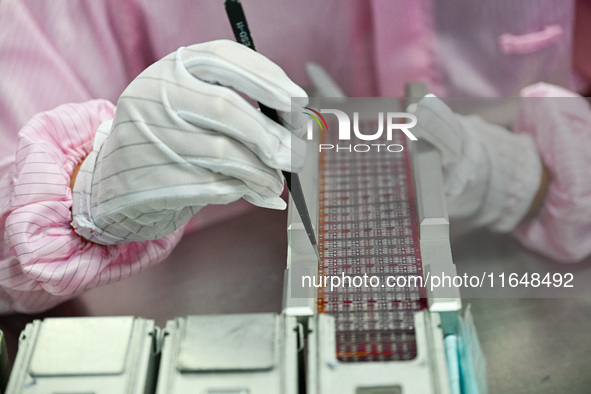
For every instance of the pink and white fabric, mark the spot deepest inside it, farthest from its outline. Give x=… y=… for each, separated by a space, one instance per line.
x=64 y=52
x=560 y=123
x=44 y=262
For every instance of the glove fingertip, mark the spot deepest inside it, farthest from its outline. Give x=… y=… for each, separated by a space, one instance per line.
x=274 y=202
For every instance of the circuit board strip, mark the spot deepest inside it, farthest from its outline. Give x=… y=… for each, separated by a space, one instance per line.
x=368 y=227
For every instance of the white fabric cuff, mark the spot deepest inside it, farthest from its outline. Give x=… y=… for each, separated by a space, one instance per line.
x=515 y=176
x=82 y=221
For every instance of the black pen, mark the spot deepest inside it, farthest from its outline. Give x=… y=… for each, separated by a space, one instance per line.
x=243 y=36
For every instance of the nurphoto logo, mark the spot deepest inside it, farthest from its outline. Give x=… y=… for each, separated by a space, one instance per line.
x=387 y=124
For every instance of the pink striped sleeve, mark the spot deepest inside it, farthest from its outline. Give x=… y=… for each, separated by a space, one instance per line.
x=43 y=262
x=560 y=123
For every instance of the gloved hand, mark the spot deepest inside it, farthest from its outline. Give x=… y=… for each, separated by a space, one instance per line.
x=491 y=175
x=182 y=138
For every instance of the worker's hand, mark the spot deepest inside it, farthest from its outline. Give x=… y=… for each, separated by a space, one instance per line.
x=184 y=137
x=491 y=175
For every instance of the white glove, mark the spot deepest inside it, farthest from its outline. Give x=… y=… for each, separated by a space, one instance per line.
x=491 y=175
x=182 y=138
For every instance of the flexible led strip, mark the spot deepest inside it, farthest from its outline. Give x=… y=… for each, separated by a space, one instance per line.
x=368 y=225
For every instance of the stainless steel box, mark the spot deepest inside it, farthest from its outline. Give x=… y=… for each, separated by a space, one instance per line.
x=86 y=355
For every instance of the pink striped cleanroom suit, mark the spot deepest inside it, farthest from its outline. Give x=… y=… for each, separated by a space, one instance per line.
x=64 y=63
